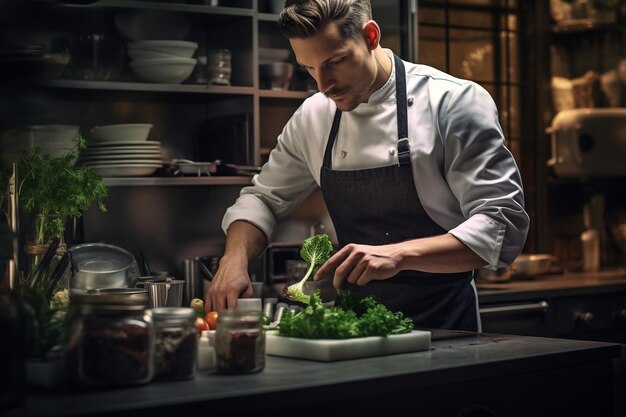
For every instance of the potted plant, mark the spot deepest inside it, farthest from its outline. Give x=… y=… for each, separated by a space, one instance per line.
x=52 y=189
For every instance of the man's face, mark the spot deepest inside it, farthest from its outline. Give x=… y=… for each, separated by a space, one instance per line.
x=344 y=69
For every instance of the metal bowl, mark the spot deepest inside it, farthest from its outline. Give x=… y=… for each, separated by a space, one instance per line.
x=101 y=265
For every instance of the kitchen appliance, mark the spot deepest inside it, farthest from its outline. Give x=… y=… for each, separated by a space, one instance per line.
x=589 y=146
x=589 y=143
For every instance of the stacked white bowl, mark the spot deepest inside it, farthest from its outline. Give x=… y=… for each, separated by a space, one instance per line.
x=53 y=140
x=122 y=150
x=162 y=61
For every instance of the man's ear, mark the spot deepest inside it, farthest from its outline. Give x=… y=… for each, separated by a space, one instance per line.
x=371 y=33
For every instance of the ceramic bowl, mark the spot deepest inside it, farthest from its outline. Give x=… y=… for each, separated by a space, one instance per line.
x=135 y=132
x=181 y=49
x=164 y=70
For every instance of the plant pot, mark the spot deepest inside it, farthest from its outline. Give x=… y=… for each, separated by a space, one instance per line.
x=45 y=373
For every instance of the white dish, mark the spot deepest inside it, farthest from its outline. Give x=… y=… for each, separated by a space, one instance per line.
x=141 y=54
x=327 y=350
x=183 y=49
x=130 y=132
x=156 y=162
x=146 y=144
x=164 y=70
x=124 y=151
x=125 y=170
x=120 y=159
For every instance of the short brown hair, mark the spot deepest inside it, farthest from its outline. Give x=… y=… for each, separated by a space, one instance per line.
x=306 y=18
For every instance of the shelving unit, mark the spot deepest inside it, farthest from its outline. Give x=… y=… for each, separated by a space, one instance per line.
x=171 y=218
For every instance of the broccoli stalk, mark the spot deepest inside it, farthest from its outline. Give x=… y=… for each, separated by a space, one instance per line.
x=315 y=251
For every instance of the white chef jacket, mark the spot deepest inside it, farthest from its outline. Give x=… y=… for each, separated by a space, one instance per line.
x=466 y=179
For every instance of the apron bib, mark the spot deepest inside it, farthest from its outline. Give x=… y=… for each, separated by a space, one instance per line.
x=380 y=206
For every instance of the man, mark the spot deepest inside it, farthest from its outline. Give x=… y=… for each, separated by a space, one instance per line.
x=412 y=166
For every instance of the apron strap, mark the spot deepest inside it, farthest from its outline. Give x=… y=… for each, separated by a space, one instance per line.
x=328 y=162
x=404 y=149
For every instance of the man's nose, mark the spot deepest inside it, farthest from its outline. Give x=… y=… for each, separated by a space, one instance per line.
x=324 y=81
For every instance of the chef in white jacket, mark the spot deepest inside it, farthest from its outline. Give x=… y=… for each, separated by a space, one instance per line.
x=412 y=166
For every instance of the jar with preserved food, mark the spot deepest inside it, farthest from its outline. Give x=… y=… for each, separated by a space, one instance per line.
x=176 y=342
x=111 y=337
x=239 y=341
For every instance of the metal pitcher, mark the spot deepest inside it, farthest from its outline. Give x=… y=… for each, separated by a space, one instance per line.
x=164 y=292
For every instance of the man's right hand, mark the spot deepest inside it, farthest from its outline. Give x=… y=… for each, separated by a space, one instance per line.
x=230 y=283
x=244 y=241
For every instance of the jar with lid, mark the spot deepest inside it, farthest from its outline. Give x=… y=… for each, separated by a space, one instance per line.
x=111 y=337
x=239 y=342
x=175 y=343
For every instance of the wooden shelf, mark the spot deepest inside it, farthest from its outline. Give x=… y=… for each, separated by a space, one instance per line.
x=285 y=94
x=154 y=5
x=138 y=86
x=174 y=181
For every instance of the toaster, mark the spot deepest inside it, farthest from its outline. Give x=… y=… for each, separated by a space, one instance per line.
x=589 y=143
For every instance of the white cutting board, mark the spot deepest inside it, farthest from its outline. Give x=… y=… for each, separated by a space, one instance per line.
x=327 y=350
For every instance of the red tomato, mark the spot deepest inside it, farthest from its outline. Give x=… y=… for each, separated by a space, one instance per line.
x=211 y=318
x=201 y=325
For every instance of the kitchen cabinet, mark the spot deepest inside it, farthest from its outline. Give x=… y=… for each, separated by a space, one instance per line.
x=580 y=306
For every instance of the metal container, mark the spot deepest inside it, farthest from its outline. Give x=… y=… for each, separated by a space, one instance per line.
x=100 y=265
x=176 y=343
x=111 y=337
x=165 y=292
x=528 y=265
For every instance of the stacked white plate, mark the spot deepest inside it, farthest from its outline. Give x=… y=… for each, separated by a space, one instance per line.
x=123 y=158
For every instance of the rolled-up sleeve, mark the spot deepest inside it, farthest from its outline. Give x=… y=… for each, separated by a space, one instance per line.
x=484 y=177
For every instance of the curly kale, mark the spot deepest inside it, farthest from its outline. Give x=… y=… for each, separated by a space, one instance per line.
x=353 y=316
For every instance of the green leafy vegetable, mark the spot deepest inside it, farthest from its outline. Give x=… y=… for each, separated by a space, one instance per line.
x=353 y=316
x=315 y=250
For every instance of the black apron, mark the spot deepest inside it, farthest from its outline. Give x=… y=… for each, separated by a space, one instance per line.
x=380 y=206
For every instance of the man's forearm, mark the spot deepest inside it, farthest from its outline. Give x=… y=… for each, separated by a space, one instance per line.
x=439 y=254
x=244 y=241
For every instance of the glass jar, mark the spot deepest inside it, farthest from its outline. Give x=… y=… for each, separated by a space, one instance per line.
x=175 y=342
x=219 y=66
x=239 y=342
x=111 y=337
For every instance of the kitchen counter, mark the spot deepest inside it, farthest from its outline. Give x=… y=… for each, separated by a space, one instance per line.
x=510 y=375
x=577 y=283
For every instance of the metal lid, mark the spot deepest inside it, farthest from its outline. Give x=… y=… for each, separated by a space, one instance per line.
x=163 y=313
x=173 y=315
x=112 y=298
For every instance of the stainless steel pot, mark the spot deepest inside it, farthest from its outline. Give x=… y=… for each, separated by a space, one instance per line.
x=101 y=265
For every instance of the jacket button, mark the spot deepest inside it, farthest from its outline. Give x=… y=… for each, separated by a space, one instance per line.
x=343 y=154
x=410 y=101
x=392 y=151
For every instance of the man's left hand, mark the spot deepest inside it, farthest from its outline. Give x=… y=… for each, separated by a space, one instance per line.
x=360 y=264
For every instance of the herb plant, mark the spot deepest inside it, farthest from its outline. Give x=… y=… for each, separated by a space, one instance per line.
x=315 y=251
x=353 y=316
x=52 y=188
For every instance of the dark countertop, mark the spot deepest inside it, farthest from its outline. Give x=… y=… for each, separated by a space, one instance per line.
x=577 y=283
x=459 y=360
